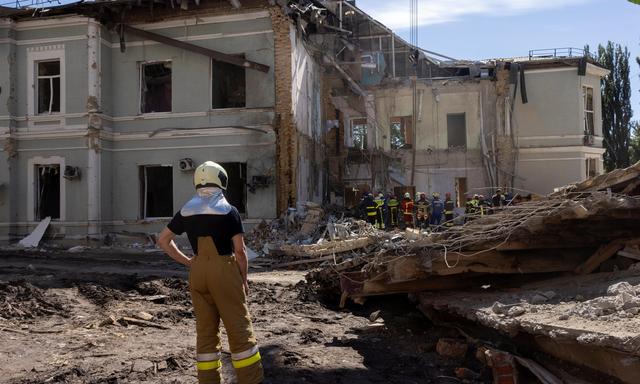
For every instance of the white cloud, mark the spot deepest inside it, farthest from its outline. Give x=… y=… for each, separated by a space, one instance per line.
x=395 y=14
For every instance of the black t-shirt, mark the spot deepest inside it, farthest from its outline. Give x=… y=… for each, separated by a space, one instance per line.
x=221 y=228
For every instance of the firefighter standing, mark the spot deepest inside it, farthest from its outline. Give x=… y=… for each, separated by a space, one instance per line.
x=437 y=208
x=407 y=210
x=472 y=208
x=393 y=204
x=380 y=207
x=422 y=211
x=370 y=208
x=217 y=277
x=449 y=206
x=498 y=200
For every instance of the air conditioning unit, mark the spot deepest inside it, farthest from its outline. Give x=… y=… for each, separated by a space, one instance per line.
x=589 y=139
x=186 y=164
x=71 y=173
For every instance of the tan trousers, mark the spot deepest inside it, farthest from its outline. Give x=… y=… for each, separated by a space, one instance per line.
x=217 y=293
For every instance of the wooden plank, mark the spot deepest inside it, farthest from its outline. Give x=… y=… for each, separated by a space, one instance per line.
x=373 y=288
x=535 y=261
x=601 y=255
x=215 y=55
x=327 y=248
x=299 y=262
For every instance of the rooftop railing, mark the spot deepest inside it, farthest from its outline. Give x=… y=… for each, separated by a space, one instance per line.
x=558 y=53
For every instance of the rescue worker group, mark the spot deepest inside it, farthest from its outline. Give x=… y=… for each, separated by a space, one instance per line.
x=385 y=211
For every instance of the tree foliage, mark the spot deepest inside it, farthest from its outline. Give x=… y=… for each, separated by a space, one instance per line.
x=616 y=105
x=634 y=146
x=635 y=133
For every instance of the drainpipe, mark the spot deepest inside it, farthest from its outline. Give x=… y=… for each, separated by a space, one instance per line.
x=93 y=130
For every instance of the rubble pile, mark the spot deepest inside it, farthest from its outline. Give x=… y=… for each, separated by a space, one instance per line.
x=311 y=236
x=574 y=230
x=22 y=300
x=622 y=301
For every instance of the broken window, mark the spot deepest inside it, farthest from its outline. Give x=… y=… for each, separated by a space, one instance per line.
x=156 y=187
x=155 y=87
x=227 y=85
x=401 y=135
x=236 y=192
x=456 y=130
x=359 y=130
x=592 y=169
x=47 y=191
x=587 y=94
x=48 y=92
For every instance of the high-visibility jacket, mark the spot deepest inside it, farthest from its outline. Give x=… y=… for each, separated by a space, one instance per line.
x=407 y=207
x=449 y=206
x=393 y=210
x=422 y=208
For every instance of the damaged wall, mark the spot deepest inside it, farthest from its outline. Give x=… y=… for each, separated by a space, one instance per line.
x=108 y=137
x=437 y=165
x=550 y=128
x=306 y=106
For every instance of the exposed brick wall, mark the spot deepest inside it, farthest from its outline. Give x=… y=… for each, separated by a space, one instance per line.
x=286 y=135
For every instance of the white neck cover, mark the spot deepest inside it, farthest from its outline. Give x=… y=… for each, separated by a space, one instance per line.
x=207 y=201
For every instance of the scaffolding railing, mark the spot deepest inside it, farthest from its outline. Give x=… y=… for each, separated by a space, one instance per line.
x=558 y=53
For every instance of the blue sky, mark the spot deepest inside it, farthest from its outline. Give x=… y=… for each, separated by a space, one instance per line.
x=480 y=29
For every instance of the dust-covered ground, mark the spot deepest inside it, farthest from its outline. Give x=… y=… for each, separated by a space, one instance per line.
x=115 y=318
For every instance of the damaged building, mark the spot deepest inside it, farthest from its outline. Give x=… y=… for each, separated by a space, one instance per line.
x=106 y=108
x=409 y=117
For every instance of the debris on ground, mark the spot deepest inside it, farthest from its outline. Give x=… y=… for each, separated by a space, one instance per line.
x=33 y=239
x=20 y=299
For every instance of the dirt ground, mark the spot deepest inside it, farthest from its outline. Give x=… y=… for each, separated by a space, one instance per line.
x=97 y=317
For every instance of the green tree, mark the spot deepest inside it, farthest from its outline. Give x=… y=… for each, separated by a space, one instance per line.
x=634 y=145
x=634 y=148
x=616 y=105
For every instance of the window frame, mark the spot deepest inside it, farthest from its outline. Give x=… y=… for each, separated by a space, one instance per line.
x=408 y=136
x=36 y=55
x=142 y=169
x=464 y=115
x=211 y=74
x=51 y=92
x=365 y=144
x=141 y=65
x=588 y=161
x=32 y=165
x=588 y=112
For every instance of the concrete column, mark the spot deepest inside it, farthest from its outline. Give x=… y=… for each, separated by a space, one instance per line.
x=94 y=157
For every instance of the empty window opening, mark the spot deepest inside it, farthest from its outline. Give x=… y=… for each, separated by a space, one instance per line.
x=461 y=191
x=359 y=130
x=401 y=135
x=228 y=85
x=587 y=94
x=456 y=130
x=592 y=168
x=156 y=187
x=47 y=191
x=236 y=192
x=155 y=86
x=48 y=91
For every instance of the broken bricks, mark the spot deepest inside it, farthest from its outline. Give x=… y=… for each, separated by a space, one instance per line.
x=452 y=348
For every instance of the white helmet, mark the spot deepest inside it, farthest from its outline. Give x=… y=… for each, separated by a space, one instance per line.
x=407 y=195
x=210 y=174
